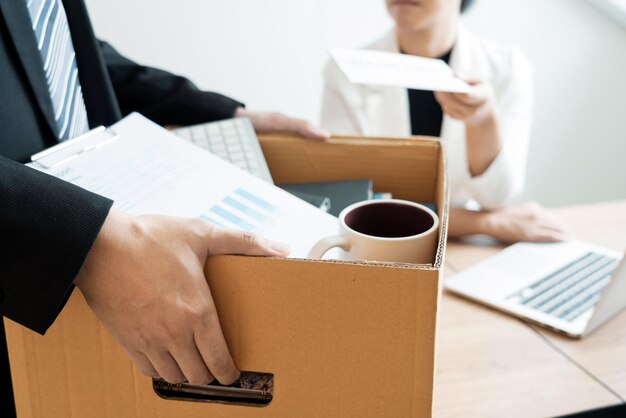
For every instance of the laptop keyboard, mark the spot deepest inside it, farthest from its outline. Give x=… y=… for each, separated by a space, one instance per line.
x=570 y=291
x=233 y=140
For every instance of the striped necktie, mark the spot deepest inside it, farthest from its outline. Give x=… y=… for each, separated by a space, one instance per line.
x=59 y=63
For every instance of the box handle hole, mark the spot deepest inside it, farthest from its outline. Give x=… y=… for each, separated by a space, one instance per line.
x=252 y=389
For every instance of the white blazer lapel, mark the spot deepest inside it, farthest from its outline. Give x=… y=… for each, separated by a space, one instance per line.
x=462 y=62
x=468 y=56
x=388 y=112
x=467 y=59
x=387 y=108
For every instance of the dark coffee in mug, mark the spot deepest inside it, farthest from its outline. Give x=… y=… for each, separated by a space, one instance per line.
x=389 y=220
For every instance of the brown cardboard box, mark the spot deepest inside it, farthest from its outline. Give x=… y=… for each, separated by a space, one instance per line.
x=343 y=339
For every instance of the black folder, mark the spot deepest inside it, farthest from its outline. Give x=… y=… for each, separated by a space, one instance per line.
x=341 y=193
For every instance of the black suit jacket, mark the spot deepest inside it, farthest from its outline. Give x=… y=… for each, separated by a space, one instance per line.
x=47 y=227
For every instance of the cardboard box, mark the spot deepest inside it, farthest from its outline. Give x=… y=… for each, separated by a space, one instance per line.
x=343 y=339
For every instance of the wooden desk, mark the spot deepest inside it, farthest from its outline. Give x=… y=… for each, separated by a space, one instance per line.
x=491 y=364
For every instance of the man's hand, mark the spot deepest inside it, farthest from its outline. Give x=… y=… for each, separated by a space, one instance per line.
x=273 y=121
x=144 y=280
x=474 y=108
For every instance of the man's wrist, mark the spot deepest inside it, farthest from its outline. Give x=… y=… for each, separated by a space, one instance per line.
x=115 y=225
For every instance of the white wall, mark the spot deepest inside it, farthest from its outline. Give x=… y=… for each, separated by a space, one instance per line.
x=579 y=134
x=269 y=54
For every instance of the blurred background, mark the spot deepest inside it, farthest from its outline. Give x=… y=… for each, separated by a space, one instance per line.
x=270 y=54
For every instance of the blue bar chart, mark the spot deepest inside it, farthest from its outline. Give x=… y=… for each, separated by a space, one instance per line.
x=241 y=209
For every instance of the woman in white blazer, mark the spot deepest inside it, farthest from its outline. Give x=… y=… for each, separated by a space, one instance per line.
x=485 y=133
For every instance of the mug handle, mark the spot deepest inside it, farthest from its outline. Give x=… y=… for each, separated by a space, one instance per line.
x=326 y=244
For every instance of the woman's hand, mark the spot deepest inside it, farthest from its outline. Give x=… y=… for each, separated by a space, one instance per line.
x=527 y=222
x=478 y=110
x=474 y=108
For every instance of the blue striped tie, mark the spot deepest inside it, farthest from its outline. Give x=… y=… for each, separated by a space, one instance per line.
x=59 y=63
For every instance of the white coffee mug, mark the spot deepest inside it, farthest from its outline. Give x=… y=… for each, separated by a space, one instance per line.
x=384 y=230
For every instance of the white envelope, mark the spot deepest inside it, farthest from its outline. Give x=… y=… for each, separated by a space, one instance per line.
x=382 y=68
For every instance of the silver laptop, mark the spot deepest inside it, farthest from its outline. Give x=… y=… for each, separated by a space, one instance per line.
x=570 y=287
x=233 y=140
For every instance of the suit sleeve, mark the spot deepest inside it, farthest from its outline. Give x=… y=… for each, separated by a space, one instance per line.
x=165 y=98
x=47 y=228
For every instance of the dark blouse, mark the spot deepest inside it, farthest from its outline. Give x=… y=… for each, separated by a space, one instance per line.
x=426 y=114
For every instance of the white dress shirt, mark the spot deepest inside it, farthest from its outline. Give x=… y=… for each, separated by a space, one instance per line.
x=357 y=109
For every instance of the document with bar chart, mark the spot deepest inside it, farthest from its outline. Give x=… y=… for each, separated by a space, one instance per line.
x=146 y=169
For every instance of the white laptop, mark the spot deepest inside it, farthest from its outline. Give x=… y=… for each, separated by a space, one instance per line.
x=233 y=140
x=570 y=287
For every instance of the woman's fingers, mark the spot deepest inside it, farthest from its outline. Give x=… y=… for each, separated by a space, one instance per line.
x=545 y=235
x=458 y=112
x=453 y=106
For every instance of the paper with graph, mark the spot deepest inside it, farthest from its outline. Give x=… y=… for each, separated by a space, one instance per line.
x=146 y=169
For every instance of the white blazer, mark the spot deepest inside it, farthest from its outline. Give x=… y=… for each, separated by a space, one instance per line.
x=358 y=109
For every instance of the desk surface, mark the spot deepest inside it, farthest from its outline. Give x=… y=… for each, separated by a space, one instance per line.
x=489 y=363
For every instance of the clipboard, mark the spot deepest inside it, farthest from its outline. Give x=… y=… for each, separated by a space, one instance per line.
x=68 y=150
x=146 y=169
